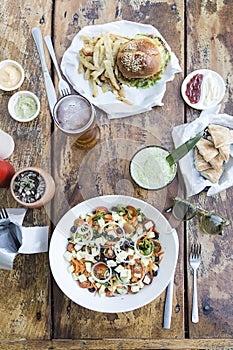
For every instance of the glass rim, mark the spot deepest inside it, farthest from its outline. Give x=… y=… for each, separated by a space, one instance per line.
x=75 y=131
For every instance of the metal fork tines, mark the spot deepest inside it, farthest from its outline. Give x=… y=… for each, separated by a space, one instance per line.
x=63 y=86
x=195 y=260
x=3 y=213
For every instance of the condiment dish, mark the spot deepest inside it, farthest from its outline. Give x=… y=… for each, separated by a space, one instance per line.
x=11 y=75
x=211 y=89
x=24 y=106
x=32 y=187
x=150 y=170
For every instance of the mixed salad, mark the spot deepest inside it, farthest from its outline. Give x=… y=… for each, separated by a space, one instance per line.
x=113 y=251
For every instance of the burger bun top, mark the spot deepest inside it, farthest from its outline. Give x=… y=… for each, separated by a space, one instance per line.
x=139 y=58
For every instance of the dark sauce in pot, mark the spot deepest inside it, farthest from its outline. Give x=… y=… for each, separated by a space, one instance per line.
x=193 y=89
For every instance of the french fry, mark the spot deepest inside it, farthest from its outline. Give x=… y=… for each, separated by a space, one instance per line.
x=93 y=87
x=86 y=63
x=111 y=75
x=97 y=61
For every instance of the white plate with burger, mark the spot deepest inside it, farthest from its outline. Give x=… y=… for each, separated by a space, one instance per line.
x=162 y=64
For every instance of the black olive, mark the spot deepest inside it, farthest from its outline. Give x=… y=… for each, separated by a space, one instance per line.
x=155 y=273
x=156 y=235
x=111 y=237
x=73 y=229
x=119 y=230
x=91 y=290
x=157 y=258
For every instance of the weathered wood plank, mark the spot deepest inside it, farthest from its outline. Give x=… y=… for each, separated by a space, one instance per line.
x=126 y=344
x=104 y=170
x=24 y=293
x=209 y=44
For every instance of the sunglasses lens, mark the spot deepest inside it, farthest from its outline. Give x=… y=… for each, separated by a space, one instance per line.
x=212 y=224
x=183 y=211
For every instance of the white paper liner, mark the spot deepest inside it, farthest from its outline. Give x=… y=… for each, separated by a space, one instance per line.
x=143 y=99
x=193 y=181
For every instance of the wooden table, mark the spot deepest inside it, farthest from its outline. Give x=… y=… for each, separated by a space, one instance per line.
x=34 y=313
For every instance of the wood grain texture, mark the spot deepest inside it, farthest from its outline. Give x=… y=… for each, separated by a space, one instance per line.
x=209 y=45
x=33 y=310
x=117 y=344
x=104 y=169
x=24 y=292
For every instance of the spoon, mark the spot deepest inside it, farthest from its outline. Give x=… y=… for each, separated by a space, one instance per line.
x=183 y=149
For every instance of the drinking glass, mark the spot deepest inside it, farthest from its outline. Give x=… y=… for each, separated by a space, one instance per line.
x=76 y=116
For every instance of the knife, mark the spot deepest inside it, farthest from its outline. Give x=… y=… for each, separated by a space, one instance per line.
x=50 y=90
x=169 y=292
x=168 y=305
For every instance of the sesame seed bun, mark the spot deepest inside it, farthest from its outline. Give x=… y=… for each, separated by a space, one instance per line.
x=139 y=58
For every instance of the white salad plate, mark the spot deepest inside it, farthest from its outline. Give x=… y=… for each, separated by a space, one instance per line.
x=168 y=239
x=212 y=89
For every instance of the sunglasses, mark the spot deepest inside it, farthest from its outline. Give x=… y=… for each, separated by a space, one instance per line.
x=209 y=222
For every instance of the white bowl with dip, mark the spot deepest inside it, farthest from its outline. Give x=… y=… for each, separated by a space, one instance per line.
x=11 y=75
x=150 y=170
x=209 y=91
x=24 y=106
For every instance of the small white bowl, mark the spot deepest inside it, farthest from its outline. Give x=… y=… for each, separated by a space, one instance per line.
x=14 y=100
x=11 y=67
x=210 y=96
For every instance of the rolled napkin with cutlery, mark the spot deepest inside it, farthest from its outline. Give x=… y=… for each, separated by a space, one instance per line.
x=16 y=239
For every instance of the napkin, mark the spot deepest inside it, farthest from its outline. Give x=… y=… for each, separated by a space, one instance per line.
x=143 y=99
x=15 y=238
x=193 y=181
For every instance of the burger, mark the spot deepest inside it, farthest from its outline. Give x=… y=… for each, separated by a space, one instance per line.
x=142 y=60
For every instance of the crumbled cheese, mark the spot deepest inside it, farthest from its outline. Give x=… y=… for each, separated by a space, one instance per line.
x=102 y=291
x=140 y=230
x=155 y=267
x=147 y=280
x=82 y=278
x=91 y=279
x=111 y=263
x=135 y=288
x=148 y=225
x=75 y=276
x=122 y=255
x=101 y=222
x=115 y=216
x=130 y=251
x=77 y=247
x=88 y=266
x=68 y=256
x=94 y=251
x=70 y=268
x=137 y=275
x=151 y=235
x=126 y=273
x=119 y=269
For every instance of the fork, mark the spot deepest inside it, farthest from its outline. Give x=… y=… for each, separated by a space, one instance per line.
x=3 y=213
x=63 y=86
x=195 y=260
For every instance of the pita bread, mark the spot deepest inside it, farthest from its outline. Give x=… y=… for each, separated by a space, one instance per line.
x=212 y=174
x=199 y=161
x=206 y=149
x=220 y=135
x=217 y=162
x=225 y=152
